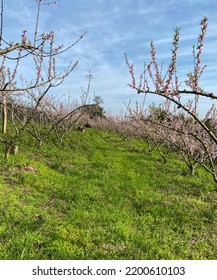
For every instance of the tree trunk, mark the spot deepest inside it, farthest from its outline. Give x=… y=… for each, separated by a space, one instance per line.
x=4 y=113
x=7 y=151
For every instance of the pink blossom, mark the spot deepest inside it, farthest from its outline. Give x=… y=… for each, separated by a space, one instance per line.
x=24 y=38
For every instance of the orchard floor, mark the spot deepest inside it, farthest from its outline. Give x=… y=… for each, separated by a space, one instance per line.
x=97 y=197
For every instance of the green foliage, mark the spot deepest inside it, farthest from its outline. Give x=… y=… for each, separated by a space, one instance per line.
x=97 y=110
x=96 y=197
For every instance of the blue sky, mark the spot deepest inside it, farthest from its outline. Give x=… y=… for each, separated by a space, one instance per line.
x=114 y=27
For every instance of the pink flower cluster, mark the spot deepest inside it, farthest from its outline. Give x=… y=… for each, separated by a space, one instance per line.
x=48 y=36
x=24 y=38
x=131 y=70
x=172 y=67
x=194 y=78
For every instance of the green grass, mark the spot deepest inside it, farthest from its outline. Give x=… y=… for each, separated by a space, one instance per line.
x=97 y=197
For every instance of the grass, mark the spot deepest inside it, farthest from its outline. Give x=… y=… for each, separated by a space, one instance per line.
x=98 y=197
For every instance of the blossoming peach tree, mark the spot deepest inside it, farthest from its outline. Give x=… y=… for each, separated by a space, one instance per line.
x=194 y=137
x=39 y=52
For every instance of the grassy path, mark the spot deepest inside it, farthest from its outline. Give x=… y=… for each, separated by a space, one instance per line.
x=100 y=198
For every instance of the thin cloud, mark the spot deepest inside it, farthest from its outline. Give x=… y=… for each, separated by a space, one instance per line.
x=114 y=27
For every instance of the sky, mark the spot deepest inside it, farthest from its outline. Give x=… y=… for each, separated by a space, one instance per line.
x=112 y=28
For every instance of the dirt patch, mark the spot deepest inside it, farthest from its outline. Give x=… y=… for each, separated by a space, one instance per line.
x=30 y=169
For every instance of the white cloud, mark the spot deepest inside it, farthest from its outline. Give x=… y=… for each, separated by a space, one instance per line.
x=114 y=27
